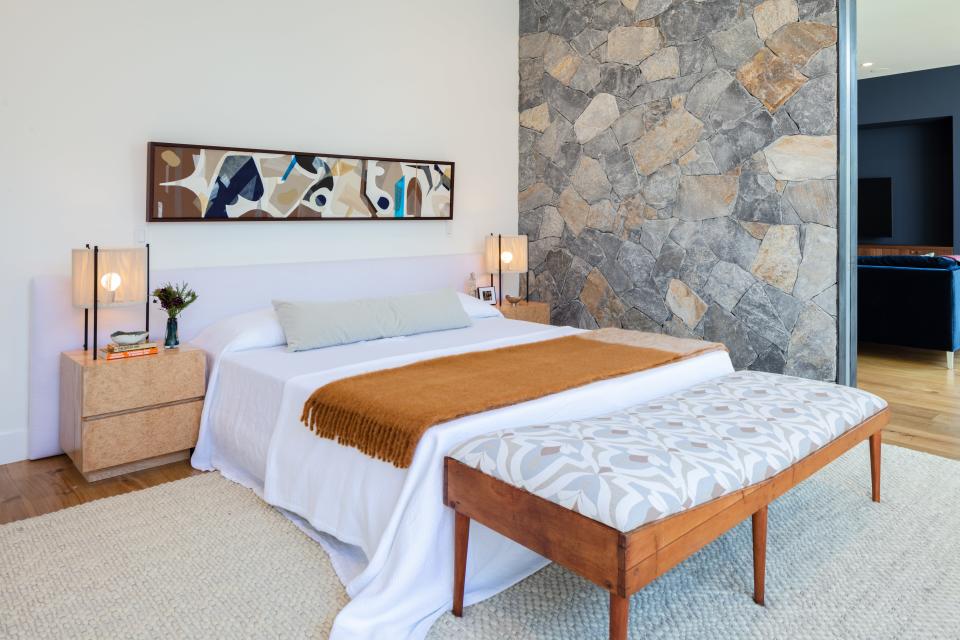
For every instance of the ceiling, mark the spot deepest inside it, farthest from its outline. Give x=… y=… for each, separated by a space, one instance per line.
x=899 y=36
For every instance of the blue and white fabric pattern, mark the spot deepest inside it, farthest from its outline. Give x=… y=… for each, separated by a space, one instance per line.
x=653 y=460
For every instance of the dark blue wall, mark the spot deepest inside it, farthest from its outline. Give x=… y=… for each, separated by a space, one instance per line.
x=918 y=157
x=908 y=97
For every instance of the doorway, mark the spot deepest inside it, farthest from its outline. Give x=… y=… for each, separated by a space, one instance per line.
x=899 y=216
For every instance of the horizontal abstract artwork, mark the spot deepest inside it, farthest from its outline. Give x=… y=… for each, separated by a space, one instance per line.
x=188 y=182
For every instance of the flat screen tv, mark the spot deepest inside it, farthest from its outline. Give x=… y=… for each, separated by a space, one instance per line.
x=875 y=208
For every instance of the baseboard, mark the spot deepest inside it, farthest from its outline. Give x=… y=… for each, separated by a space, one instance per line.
x=13 y=446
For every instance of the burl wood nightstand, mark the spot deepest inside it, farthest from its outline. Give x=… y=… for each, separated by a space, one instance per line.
x=529 y=311
x=118 y=416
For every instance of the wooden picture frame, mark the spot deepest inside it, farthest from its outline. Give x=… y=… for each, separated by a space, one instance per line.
x=206 y=183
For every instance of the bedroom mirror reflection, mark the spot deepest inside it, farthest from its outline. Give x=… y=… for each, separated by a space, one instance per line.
x=908 y=218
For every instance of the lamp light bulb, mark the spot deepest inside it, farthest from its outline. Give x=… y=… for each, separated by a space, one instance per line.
x=110 y=281
x=507 y=257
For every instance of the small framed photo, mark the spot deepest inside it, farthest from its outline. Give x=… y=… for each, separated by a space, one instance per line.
x=487 y=294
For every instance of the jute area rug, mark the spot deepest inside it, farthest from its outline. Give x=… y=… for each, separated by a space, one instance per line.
x=204 y=558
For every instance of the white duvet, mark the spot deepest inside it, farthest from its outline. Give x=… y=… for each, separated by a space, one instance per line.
x=251 y=432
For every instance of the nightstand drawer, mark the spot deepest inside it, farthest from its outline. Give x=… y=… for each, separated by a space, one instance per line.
x=127 y=437
x=121 y=385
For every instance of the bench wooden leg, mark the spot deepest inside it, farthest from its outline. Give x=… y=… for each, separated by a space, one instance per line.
x=619 y=615
x=759 y=554
x=875 y=440
x=461 y=535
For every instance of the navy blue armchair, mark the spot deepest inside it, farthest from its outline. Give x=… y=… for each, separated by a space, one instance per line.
x=911 y=301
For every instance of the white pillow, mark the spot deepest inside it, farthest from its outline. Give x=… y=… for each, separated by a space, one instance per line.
x=252 y=330
x=477 y=308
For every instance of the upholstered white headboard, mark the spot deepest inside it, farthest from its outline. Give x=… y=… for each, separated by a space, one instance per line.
x=56 y=326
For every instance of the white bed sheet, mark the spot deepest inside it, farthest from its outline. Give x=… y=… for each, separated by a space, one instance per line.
x=252 y=433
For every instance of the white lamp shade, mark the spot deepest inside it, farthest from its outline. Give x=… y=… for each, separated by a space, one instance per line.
x=121 y=277
x=506 y=253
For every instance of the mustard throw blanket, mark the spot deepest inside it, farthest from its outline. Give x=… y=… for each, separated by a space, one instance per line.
x=384 y=413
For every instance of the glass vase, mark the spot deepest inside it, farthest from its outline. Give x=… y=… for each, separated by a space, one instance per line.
x=172 y=341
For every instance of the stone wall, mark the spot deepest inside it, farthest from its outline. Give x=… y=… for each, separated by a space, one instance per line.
x=678 y=171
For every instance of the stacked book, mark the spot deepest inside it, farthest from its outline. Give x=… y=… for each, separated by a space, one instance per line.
x=114 y=351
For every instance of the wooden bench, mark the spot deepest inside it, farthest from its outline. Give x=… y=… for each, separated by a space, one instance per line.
x=623 y=562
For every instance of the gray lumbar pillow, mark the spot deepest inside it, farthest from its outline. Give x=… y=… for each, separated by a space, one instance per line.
x=313 y=325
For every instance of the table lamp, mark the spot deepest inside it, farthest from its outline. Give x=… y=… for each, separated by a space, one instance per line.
x=506 y=254
x=110 y=278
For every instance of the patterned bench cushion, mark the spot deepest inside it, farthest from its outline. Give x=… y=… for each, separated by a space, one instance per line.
x=656 y=459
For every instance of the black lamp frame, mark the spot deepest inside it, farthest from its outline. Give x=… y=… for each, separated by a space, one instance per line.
x=96 y=299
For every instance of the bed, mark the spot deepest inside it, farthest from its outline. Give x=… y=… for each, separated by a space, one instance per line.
x=383 y=525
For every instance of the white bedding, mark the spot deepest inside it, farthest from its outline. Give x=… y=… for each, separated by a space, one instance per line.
x=252 y=433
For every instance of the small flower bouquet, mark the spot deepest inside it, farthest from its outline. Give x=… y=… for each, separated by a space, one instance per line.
x=173 y=298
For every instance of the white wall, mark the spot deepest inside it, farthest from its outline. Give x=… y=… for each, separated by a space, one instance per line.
x=84 y=86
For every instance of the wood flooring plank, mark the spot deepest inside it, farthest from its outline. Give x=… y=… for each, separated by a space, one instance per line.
x=35 y=487
x=43 y=484
x=922 y=444
x=12 y=505
x=924 y=397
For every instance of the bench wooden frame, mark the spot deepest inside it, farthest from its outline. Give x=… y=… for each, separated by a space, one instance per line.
x=624 y=563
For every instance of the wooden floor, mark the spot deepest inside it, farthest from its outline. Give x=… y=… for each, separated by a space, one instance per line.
x=924 y=396
x=34 y=487
x=924 y=400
